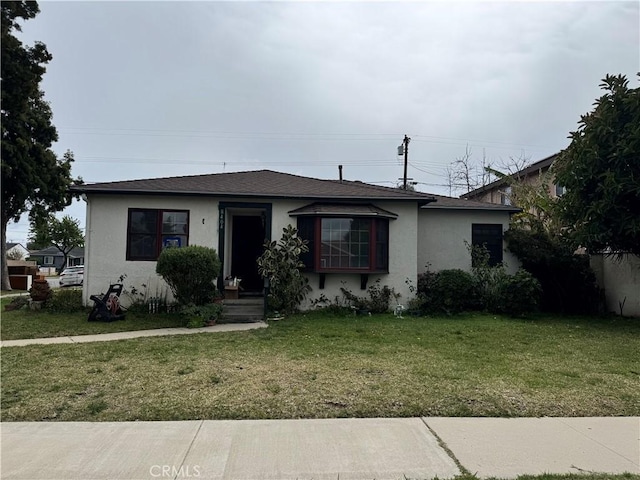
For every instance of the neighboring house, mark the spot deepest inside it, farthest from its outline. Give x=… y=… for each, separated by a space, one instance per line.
x=499 y=191
x=16 y=251
x=620 y=279
x=52 y=257
x=357 y=232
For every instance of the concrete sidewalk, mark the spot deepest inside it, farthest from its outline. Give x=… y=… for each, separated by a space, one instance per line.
x=107 y=337
x=392 y=448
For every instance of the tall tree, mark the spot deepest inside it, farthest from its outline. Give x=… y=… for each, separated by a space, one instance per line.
x=601 y=172
x=32 y=177
x=64 y=234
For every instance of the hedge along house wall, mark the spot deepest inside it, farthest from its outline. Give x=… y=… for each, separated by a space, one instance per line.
x=620 y=281
x=442 y=233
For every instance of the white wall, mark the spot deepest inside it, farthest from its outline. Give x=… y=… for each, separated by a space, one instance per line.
x=416 y=238
x=105 y=250
x=106 y=239
x=442 y=234
x=620 y=281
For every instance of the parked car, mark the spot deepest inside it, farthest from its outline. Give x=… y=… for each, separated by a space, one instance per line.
x=72 y=276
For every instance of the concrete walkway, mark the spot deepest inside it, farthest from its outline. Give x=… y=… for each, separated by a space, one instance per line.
x=392 y=448
x=158 y=332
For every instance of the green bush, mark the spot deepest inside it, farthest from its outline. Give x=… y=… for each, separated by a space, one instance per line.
x=378 y=301
x=452 y=291
x=198 y=315
x=567 y=281
x=65 y=301
x=190 y=273
x=280 y=264
x=449 y=291
x=521 y=294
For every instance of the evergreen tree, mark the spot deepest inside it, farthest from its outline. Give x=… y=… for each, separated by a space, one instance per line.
x=601 y=172
x=33 y=179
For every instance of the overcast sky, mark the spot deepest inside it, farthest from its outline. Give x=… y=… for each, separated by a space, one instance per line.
x=154 y=89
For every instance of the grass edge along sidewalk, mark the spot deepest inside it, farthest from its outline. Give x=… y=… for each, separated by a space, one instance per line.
x=318 y=366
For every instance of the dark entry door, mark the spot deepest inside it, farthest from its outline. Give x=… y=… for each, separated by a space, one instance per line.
x=248 y=239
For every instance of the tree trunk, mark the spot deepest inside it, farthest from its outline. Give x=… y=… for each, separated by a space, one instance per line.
x=6 y=285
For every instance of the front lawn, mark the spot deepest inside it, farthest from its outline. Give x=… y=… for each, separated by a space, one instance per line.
x=315 y=366
x=26 y=323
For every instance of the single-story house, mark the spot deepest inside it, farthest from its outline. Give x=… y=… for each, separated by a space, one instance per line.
x=357 y=232
x=52 y=257
x=15 y=251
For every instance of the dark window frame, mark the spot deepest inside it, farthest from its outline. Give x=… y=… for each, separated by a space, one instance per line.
x=490 y=235
x=378 y=251
x=158 y=234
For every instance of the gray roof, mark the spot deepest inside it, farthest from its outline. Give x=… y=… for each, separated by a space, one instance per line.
x=464 y=204
x=259 y=183
x=270 y=184
x=54 y=252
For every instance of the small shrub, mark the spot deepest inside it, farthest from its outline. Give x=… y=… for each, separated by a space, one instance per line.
x=438 y=292
x=380 y=297
x=190 y=273
x=521 y=295
x=198 y=315
x=378 y=301
x=280 y=264
x=417 y=305
x=490 y=282
x=452 y=291
x=65 y=301
x=40 y=291
x=425 y=282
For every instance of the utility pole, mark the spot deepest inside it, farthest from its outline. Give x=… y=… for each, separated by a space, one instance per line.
x=405 y=148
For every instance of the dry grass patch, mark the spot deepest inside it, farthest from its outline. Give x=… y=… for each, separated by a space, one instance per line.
x=316 y=366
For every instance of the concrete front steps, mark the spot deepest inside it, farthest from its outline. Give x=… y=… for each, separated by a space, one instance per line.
x=242 y=310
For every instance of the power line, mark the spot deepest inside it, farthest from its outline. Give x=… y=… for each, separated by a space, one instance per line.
x=326 y=136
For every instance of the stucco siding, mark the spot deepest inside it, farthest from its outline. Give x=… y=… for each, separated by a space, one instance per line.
x=106 y=239
x=106 y=242
x=620 y=280
x=442 y=235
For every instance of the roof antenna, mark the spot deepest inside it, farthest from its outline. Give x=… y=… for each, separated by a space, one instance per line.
x=224 y=166
x=340 y=172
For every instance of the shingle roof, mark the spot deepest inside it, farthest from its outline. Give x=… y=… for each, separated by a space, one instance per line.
x=270 y=184
x=259 y=183
x=464 y=204
x=54 y=252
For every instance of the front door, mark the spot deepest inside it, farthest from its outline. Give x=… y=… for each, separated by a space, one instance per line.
x=248 y=235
